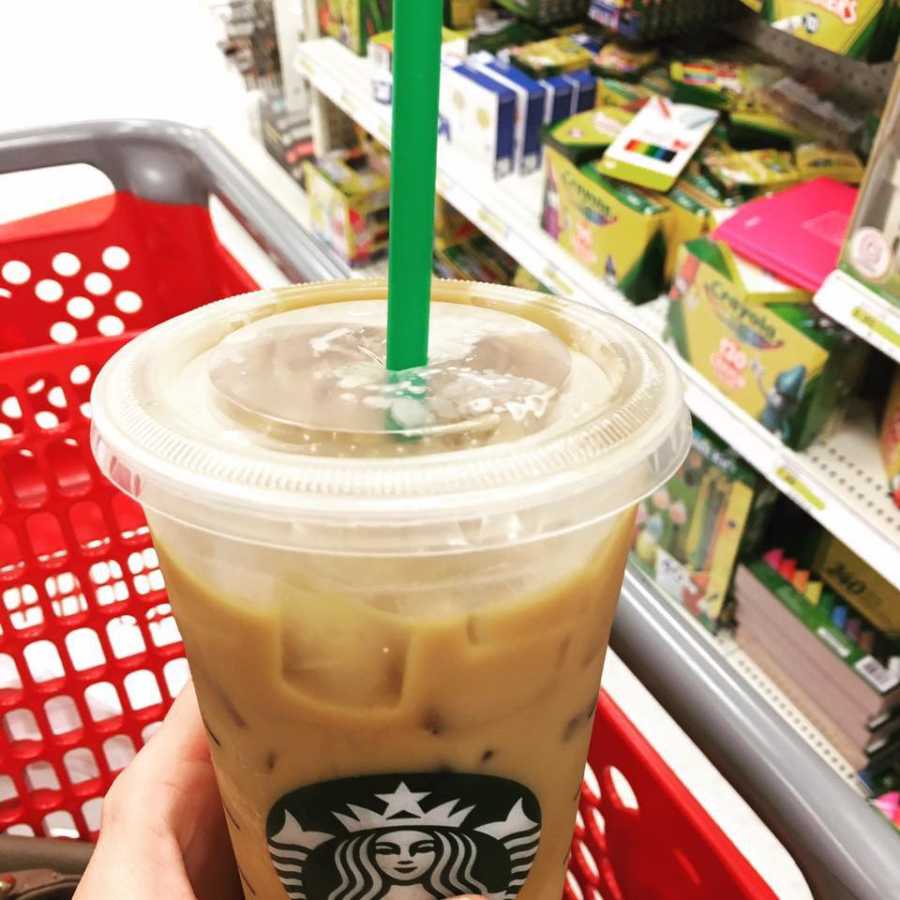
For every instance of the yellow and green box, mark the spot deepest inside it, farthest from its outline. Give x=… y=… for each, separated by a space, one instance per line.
x=769 y=353
x=890 y=439
x=584 y=137
x=691 y=532
x=613 y=228
x=856 y=582
x=353 y=22
x=348 y=204
x=554 y=56
x=461 y=13
x=693 y=204
x=861 y=29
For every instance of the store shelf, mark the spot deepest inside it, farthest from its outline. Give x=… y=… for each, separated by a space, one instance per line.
x=845 y=492
x=862 y=311
x=257 y=161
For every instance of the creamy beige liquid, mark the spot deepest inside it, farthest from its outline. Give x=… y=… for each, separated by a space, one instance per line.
x=301 y=684
x=317 y=666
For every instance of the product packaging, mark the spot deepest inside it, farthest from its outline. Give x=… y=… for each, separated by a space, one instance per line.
x=871 y=254
x=623 y=62
x=695 y=205
x=454 y=48
x=353 y=22
x=478 y=118
x=554 y=56
x=348 y=204
x=751 y=171
x=657 y=144
x=860 y=29
x=585 y=137
x=719 y=83
x=286 y=135
x=783 y=363
x=476 y=258
x=815 y=159
x=890 y=439
x=494 y=32
x=547 y=12
x=691 y=532
x=613 y=228
x=811 y=219
x=835 y=667
x=613 y=92
x=858 y=584
x=462 y=13
x=643 y=20
x=531 y=105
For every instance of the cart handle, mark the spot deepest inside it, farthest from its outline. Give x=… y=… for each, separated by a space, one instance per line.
x=845 y=850
x=169 y=162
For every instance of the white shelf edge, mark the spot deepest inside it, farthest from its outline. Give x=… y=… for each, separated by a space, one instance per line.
x=341 y=76
x=861 y=311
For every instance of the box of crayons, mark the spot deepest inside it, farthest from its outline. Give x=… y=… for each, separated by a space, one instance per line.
x=836 y=665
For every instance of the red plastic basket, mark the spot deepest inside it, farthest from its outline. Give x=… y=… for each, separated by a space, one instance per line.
x=89 y=653
x=640 y=835
x=90 y=657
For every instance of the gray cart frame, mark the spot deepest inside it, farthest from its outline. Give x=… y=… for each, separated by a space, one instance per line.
x=845 y=850
x=172 y=163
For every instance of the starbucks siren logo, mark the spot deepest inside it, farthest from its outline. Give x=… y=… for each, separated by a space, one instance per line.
x=423 y=836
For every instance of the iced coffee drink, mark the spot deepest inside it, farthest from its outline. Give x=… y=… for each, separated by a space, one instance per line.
x=395 y=589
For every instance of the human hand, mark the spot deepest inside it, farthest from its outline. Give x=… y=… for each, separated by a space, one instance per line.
x=163 y=832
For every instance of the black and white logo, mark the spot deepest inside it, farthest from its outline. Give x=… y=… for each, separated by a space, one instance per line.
x=423 y=836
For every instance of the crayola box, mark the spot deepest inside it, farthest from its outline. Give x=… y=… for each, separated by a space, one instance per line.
x=782 y=363
x=554 y=56
x=584 y=137
x=861 y=29
x=462 y=13
x=353 y=22
x=691 y=532
x=693 y=204
x=348 y=204
x=613 y=228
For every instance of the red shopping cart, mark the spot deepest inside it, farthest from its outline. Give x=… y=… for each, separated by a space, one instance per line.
x=90 y=657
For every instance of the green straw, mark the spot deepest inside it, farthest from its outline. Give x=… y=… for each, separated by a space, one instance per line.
x=417 y=70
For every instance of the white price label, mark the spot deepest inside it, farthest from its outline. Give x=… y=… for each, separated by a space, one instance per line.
x=876 y=674
x=492 y=223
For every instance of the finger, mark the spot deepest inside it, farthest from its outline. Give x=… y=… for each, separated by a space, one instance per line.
x=181 y=735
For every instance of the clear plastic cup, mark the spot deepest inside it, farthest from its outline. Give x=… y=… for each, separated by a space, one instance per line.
x=395 y=593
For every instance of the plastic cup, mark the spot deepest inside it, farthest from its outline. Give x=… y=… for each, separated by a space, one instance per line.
x=395 y=593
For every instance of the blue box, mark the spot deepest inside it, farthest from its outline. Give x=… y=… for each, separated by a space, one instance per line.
x=478 y=117
x=587 y=90
x=531 y=98
x=559 y=99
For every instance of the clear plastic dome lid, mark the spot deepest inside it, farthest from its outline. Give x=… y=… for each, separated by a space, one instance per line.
x=277 y=407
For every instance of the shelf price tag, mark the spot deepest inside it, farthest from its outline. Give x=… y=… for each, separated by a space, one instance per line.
x=494 y=225
x=555 y=279
x=348 y=103
x=805 y=496
x=383 y=132
x=877 y=325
